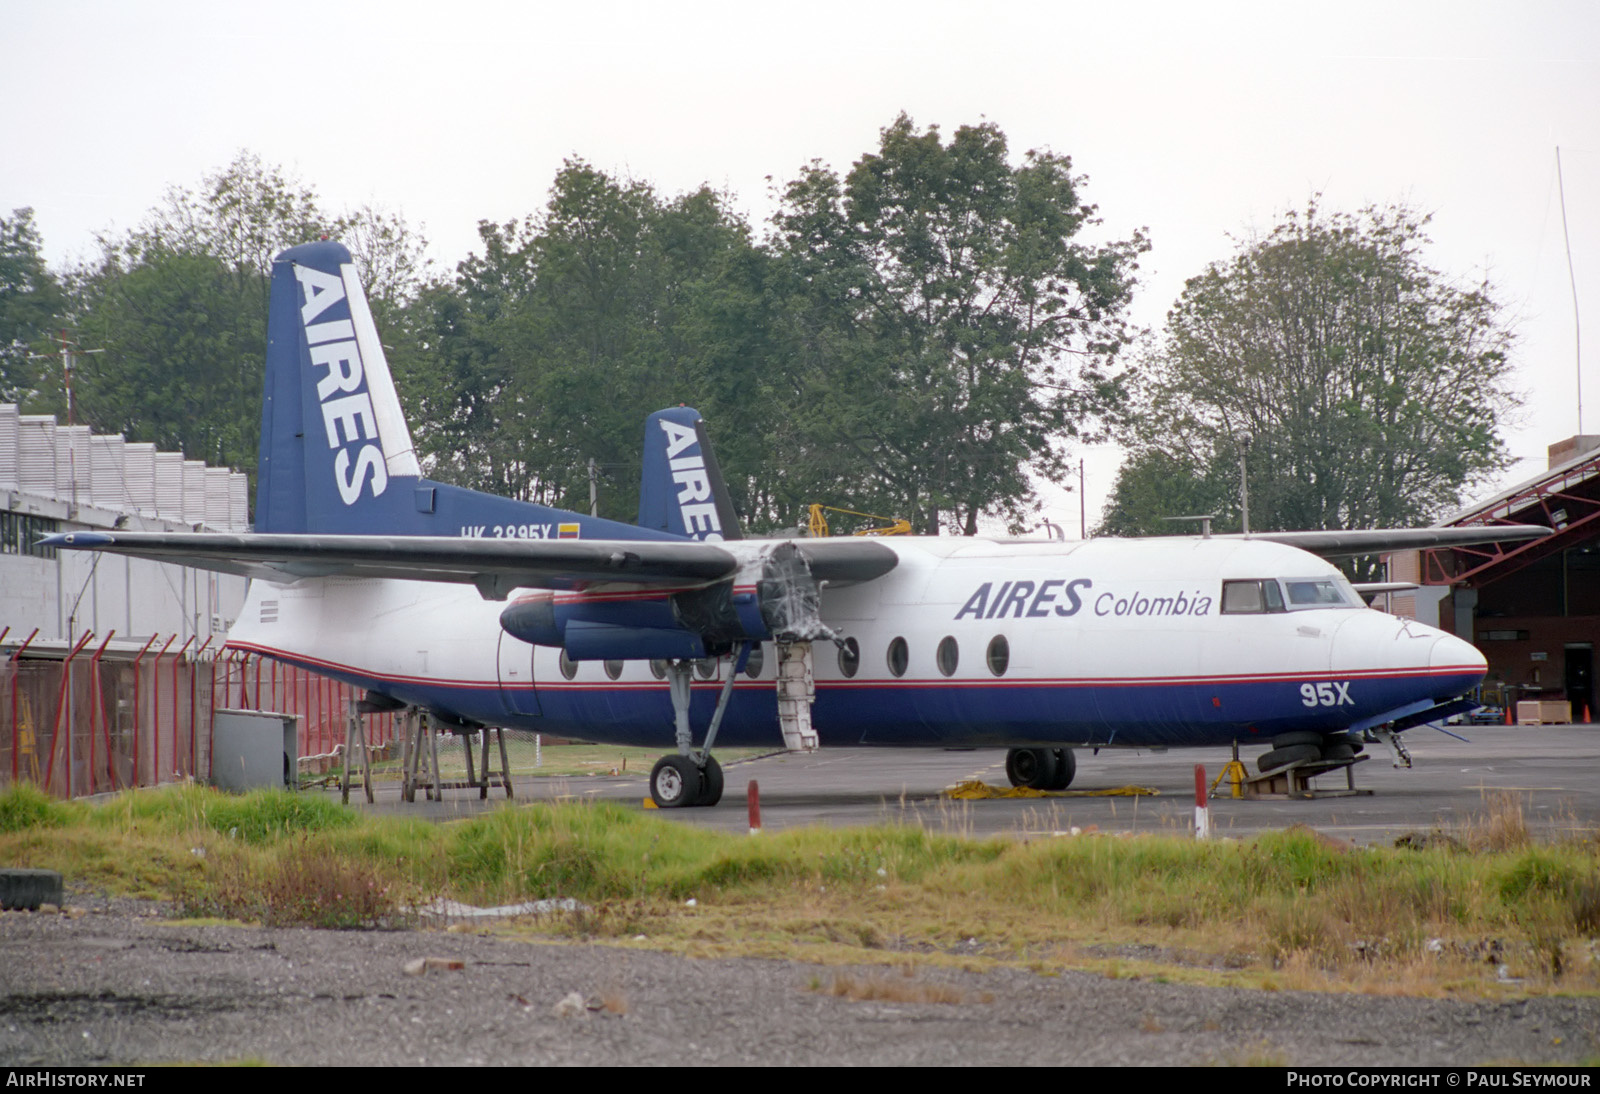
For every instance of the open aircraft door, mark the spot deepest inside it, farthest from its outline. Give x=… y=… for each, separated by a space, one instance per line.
x=516 y=676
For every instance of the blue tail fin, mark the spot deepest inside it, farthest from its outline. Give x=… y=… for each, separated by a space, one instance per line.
x=336 y=456
x=681 y=490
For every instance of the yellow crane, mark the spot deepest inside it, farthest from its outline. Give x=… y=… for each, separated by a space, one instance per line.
x=894 y=527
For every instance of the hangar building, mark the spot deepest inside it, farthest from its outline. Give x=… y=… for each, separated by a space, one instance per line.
x=1532 y=608
x=56 y=478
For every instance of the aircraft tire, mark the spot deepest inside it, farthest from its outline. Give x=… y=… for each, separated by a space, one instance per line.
x=1299 y=737
x=1356 y=742
x=1066 y=768
x=675 y=782
x=1338 y=752
x=710 y=783
x=1031 y=767
x=1290 y=754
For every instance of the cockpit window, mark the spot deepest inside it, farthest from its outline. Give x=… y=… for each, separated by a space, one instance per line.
x=1321 y=592
x=1251 y=597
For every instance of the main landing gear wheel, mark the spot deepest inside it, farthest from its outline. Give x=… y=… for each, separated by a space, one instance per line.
x=675 y=781
x=1041 y=768
x=1066 y=768
x=710 y=783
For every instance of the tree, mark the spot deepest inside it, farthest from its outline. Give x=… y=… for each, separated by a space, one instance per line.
x=178 y=307
x=551 y=346
x=951 y=330
x=30 y=302
x=1363 y=385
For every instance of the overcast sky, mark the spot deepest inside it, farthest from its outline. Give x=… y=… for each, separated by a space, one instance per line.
x=1200 y=122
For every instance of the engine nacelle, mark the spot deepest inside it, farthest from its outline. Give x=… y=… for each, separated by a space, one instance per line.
x=639 y=624
x=779 y=598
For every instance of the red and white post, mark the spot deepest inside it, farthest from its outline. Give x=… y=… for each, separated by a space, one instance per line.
x=1202 y=811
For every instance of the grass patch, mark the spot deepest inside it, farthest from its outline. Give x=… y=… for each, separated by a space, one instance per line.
x=1286 y=909
x=893 y=989
x=298 y=887
x=25 y=806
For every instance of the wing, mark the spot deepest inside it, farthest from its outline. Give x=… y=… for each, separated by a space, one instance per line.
x=1373 y=541
x=495 y=566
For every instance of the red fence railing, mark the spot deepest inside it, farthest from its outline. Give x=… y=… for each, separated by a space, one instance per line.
x=95 y=717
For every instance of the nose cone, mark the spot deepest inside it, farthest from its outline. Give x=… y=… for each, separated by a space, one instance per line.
x=1451 y=654
x=1373 y=643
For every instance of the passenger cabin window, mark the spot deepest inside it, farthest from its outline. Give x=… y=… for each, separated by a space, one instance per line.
x=614 y=669
x=899 y=657
x=569 y=667
x=850 y=657
x=999 y=656
x=1251 y=597
x=753 y=663
x=658 y=669
x=948 y=655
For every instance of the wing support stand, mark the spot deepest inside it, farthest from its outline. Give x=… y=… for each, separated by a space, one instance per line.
x=419 y=760
x=355 y=738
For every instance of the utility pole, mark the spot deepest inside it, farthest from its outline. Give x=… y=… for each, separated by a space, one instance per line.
x=67 y=359
x=1083 y=510
x=1244 y=484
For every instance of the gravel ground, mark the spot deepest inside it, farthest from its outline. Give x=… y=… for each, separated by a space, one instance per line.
x=116 y=985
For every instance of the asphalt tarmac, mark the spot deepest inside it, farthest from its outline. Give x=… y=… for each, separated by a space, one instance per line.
x=1553 y=770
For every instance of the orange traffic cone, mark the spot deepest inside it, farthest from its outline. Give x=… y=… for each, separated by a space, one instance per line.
x=1509 y=722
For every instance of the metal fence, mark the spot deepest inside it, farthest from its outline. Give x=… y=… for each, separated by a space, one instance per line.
x=93 y=718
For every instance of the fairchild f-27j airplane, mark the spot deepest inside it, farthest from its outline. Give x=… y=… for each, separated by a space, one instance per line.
x=490 y=611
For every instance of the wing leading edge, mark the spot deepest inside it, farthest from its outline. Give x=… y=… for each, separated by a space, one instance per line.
x=1373 y=541
x=495 y=566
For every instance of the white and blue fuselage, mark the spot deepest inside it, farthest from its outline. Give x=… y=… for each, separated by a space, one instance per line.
x=964 y=642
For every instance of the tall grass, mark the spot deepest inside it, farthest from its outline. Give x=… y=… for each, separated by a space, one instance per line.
x=1283 y=901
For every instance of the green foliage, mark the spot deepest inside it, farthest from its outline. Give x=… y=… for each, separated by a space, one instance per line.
x=1363 y=385
x=31 y=302
x=181 y=335
x=259 y=817
x=912 y=339
x=24 y=806
x=950 y=332
x=177 y=309
x=1154 y=486
x=263 y=816
x=551 y=347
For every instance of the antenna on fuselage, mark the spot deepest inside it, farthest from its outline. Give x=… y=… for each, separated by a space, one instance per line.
x=1205 y=520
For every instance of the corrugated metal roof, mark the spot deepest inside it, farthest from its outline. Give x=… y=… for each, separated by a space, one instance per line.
x=71 y=464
